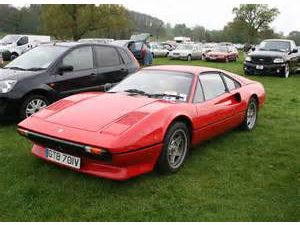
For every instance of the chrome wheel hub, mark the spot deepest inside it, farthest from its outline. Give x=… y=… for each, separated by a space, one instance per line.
x=177 y=148
x=34 y=106
x=251 y=115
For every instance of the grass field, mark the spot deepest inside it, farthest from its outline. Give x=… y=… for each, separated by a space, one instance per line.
x=240 y=176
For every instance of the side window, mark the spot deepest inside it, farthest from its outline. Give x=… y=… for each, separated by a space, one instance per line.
x=23 y=41
x=125 y=56
x=231 y=84
x=107 y=56
x=80 y=58
x=213 y=85
x=198 y=97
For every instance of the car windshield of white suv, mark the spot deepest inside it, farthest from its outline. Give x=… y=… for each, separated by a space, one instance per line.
x=280 y=46
x=157 y=84
x=9 y=39
x=38 y=58
x=185 y=47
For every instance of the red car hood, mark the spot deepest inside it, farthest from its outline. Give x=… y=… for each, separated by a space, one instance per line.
x=93 y=113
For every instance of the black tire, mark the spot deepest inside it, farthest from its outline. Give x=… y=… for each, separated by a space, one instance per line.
x=164 y=166
x=245 y=124
x=23 y=114
x=13 y=56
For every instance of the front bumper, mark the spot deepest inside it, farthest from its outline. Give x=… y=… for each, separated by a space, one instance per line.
x=218 y=59
x=8 y=108
x=178 y=56
x=121 y=167
x=273 y=69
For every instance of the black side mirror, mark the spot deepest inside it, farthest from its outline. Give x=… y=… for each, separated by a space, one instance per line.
x=107 y=86
x=295 y=50
x=64 y=68
x=253 y=48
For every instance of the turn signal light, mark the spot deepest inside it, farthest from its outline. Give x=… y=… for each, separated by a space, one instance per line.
x=22 y=132
x=93 y=150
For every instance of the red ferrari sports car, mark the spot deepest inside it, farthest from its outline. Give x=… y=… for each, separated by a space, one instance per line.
x=222 y=53
x=147 y=121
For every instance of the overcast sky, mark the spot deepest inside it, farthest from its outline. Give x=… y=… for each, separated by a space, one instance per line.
x=211 y=14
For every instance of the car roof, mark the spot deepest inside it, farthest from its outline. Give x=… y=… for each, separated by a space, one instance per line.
x=183 y=68
x=73 y=43
x=287 y=40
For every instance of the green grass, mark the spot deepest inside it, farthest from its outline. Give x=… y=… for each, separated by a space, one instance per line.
x=240 y=176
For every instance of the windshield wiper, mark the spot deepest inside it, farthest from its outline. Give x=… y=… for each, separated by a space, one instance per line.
x=166 y=95
x=15 y=68
x=35 y=69
x=137 y=91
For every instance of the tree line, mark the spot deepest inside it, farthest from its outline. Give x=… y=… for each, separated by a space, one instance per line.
x=251 y=23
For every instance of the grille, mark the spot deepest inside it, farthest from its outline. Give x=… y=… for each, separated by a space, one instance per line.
x=262 y=60
x=66 y=147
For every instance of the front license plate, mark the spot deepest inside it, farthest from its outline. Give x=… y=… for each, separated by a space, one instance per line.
x=62 y=158
x=260 y=67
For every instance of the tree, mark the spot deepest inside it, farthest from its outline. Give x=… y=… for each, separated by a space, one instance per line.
x=182 y=30
x=257 y=18
x=77 y=21
x=295 y=35
x=198 y=33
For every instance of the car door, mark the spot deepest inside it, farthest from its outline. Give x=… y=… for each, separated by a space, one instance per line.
x=111 y=67
x=23 y=44
x=82 y=78
x=216 y=112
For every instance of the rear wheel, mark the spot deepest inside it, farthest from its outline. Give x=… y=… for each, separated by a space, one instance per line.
x=32 y=104
x=13 y=56
x=251 y=115
x=175 y=148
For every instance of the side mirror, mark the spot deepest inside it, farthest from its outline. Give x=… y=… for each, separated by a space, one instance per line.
x=107 y=86
x=253 y=48
x=64 y=68
x=295 y=50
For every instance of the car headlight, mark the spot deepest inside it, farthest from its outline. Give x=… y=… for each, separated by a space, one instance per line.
x=7 y=85
x=278 y=60
x=248 y=59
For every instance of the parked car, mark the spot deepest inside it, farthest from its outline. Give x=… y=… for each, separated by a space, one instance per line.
x=138 y=48
x=53 y=71
x=149 y=120
x=158 y=50
x=273 y=56
x=15 y=45
x=96 y=40
x=169 y=45
x=222 y=53
x=187 y=52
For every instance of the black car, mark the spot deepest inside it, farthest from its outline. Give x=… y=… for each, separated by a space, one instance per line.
x=53 y=71
x=273 y=56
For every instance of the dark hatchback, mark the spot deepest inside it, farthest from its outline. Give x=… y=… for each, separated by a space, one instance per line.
x=53 y=71
x=273 y=56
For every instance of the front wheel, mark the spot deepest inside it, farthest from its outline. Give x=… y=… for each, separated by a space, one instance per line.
x=175 y=148
x=286 y=71
x=251 y=115
x=32 y=104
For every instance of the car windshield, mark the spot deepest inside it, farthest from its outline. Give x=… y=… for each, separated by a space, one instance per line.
x=9 y=39
x=157 y=84
x=280 y=46
x=37 y=59
x=185 y=47
x=221 y=49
